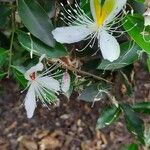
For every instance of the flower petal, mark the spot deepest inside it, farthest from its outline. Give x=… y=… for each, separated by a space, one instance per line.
x=95 y=9
x=71 y=34
x=30 y=101
x=118 y=7
x=65 y=85
x=49 y=83
x=101 y=9
x=37 y=67
x=109 y=46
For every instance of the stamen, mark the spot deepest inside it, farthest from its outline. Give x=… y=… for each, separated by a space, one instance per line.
x=80 y=19
x=93 y=38
x=50 y=69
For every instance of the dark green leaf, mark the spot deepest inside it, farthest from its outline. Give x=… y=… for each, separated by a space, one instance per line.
x=102 y=2
x=92 y=93
x=134 y=124
x=133 y=147
x=136 y=31
x=3 y=56
x=143 y=107
x=129 y=54
x=19 y=75
x=36 y=20
x=108 y=116
x=31 y=43
x=5 y=11
x=2 y=75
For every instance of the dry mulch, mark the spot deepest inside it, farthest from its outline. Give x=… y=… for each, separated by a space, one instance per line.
x=68 y=127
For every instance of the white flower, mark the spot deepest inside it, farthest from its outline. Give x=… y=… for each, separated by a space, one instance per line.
x=101 y=27
x=41 y=87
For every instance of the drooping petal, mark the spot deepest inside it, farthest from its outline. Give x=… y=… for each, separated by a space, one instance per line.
x=30 y=101
x=71 y=34
x=49 y=83
x=65 y=84
x=118 y=7
x=34 y=69
x=109 y=46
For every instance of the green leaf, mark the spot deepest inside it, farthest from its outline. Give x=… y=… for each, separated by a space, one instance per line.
x=19 y=75
x=148 y=63
x=134 y=124
x=51 y=97
x=36 y=20
x=143 y=107
x=94 y=92
x=5 y=11
x=137 y=6
x=136 y=31
x=141 y=1
x=2 y=75
x=31 y=43
x=102 y=2
x=133 y=147
x=129 y=54
x=108 y=116
x=85 y=5
x=3 y=55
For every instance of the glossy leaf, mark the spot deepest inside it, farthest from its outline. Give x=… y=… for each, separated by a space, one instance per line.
x=92 y=93
x=129 y=54
x=5 y=11
x=108 y=116
x=134 y=124
x=31 y=43
x=2 y=75
x=133 y=147
x=135 y=27
x=19 y=74
x=36 y=20
x=143 y=107
x=3 y=55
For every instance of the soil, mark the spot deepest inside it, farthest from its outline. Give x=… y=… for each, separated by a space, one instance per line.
x=71 y=126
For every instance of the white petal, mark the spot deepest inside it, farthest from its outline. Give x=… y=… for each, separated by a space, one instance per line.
x=109 y=46
x=118 y=8
x=49 y=83
x=71 y=34
x=36 y=68
x=65 y=85
x=30 y=101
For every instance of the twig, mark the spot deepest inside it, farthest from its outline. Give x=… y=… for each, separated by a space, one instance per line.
x=81 y=72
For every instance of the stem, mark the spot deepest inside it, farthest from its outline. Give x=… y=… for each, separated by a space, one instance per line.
x=11 y=41
x=81 y=72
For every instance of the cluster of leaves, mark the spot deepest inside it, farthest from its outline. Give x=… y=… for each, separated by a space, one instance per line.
x=25 y=28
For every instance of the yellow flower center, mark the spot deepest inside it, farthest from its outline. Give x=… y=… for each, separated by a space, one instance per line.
x=103 y=11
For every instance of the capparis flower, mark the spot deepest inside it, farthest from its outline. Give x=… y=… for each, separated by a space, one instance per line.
x=81 y=27
x=42 y=87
